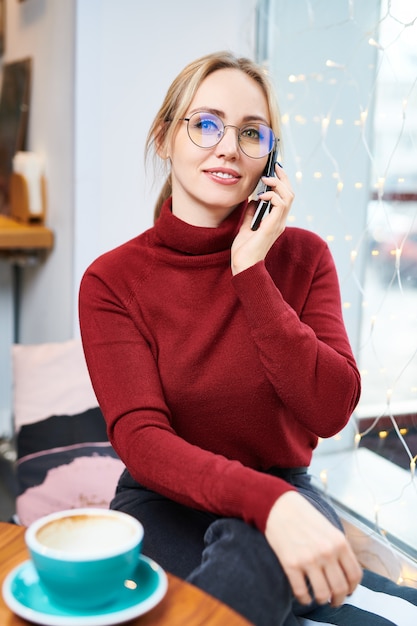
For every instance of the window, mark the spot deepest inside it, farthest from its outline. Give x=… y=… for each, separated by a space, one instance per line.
x=346 y=79
x=388 y=347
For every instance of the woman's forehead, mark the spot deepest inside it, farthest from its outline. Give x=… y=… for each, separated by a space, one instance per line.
x=231 y=90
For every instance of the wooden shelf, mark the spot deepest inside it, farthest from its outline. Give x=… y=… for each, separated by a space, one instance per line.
x=16 y=236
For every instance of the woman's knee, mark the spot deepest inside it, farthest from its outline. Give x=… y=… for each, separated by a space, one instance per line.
x=240 y=568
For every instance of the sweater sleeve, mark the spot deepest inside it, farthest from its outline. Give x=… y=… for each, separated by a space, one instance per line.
x=126 y=381
x=310 y=341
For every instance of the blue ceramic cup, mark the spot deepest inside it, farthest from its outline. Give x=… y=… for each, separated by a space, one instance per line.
x=84 y=556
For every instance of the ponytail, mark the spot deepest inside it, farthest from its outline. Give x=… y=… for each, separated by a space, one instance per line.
x=165 y=193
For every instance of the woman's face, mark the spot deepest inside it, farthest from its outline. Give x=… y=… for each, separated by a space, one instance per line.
x=208 y=183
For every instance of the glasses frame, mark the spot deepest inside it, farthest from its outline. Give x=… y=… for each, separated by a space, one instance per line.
x=222 y=133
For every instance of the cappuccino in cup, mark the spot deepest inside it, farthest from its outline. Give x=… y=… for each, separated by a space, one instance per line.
x=83 y=556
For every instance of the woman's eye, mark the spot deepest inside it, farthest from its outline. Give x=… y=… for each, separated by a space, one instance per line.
x=208 y=126
x=251 y=133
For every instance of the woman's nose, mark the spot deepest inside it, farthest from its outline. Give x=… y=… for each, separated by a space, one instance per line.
x=229 y=143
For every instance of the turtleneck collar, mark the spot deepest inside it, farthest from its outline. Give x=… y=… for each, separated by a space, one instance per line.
x=173 y=233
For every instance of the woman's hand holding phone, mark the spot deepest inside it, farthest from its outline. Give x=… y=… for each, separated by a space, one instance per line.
x=264 y=206
x=251 y=246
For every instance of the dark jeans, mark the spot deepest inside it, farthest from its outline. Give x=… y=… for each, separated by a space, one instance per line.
x=223 y=556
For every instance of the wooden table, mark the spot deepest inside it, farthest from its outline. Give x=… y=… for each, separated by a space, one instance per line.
x=183 y=605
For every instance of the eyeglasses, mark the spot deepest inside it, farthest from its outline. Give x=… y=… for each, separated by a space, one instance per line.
x=206 y=130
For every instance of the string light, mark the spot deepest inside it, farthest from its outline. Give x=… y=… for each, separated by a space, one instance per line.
x=376 y=44
x=339 y=66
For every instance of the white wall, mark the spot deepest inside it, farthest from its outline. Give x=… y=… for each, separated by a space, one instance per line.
x=126 y=59
x=101 y=69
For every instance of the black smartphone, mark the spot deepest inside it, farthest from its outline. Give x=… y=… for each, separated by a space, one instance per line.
x=264 y=206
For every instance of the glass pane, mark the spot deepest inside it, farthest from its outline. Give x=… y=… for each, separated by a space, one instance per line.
x=388 y=352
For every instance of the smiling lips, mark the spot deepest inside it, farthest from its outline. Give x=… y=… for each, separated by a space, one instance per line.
x=225 y=176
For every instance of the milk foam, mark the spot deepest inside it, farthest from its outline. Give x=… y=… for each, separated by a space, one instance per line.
x=84 y=533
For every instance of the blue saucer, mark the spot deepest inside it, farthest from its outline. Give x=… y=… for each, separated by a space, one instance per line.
x=25 y=596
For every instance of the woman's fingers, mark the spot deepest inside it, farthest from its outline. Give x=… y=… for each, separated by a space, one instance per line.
x=315 y=556
x=250 y=246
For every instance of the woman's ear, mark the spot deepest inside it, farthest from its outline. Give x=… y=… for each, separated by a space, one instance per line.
x=161 y=143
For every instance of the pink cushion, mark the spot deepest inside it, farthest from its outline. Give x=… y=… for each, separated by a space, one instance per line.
x=50 y=379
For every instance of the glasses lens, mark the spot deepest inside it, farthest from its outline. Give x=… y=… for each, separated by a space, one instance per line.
x=205 y=129
x=256 y=140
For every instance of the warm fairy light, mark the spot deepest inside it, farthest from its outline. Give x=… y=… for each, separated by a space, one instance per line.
x=358 y=185
x=376 y=512
x=325 y=124
x=330 y=63
x=374 y=43
x=292 y=78
x=347 y=305
x=358 y=438
x=298 y=175
x=323 y=477
x=339 y=122
x=339 y=186
x=353 y=255
x=383 y=434
x=330 y=238
x=285 y=119
x=375 y=252
x=318 y=175
x=300 y=119
x=363 y=117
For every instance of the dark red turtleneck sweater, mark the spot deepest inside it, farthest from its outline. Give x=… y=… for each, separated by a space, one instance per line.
x=206 y=379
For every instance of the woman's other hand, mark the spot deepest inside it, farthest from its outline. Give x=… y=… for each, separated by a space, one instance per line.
x=311 y=551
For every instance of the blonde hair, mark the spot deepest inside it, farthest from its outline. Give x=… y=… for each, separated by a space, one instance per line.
x=181 y=93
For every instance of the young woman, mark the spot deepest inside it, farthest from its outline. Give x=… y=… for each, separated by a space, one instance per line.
x=219 y=356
